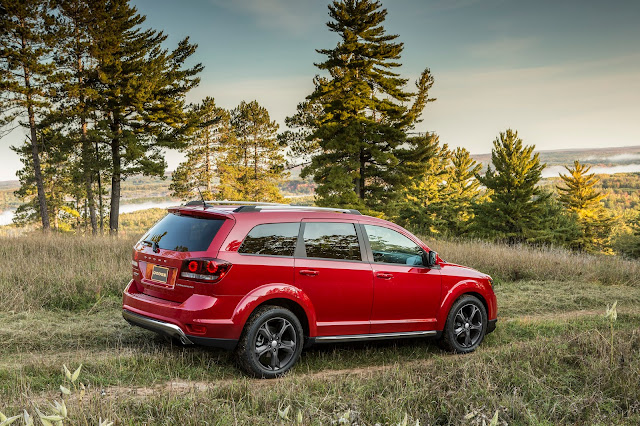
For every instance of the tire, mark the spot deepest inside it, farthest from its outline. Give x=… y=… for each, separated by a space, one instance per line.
x=466 y=325
x=271 y=342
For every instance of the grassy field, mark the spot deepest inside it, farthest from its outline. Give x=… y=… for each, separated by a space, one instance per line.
x=548 y=362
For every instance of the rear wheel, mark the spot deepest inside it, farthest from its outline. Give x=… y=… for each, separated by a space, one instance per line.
x=271 y=342
x=466 y=325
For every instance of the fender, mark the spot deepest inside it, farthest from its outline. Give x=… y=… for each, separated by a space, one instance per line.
x=267 y=292
x=457 y=290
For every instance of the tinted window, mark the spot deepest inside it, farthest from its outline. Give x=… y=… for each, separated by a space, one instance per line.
x=275 y=239
x=183 y=233
x=330 y=240
x=389 y=246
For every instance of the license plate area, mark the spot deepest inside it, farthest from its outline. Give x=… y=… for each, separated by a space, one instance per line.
x=160 y=274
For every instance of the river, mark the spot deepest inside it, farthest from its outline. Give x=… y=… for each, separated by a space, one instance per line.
x=6 y=217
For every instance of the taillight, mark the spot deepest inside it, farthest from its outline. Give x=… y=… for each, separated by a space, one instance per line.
x=134 y=259
x=209 y=270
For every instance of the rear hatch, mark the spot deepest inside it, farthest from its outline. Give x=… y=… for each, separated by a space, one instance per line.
x=161 y=252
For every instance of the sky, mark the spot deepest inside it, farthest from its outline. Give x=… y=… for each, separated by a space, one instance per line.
x=564 y=73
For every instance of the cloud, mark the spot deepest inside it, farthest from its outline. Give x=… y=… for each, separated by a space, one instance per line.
x=293 y=16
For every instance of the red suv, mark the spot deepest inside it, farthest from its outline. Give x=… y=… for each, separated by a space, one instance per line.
x=268 y=280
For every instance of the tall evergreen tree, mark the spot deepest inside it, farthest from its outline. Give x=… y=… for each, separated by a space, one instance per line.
x=57 y=162
x=141 y=87
x=253 y=164
x=205 y=149
x=513 y=211
x=579 y=195
x=420 y=206
x=357 y=118
x=462 y=192
x=25 y=69
x=76 y=106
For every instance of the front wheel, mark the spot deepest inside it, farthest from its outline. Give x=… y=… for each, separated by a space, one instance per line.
x=271 y=342
x=466 y=325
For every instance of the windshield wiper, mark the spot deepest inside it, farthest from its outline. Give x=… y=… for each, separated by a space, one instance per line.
x=153 y=244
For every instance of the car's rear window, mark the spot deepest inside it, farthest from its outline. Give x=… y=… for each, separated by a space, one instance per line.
x=183 y=233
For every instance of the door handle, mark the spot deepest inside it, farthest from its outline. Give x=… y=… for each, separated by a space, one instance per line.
x=384 y=275
x=309 y=272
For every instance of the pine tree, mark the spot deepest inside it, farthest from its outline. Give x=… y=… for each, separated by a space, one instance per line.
x=513 y=210
x=463 y=192
x=253 y=164
x=141 y=87
x=206 y=147
x=421 y=204
x=76 y=106
x=25 y=69
x=57 y=164
x=355 y=122
x=579 y=195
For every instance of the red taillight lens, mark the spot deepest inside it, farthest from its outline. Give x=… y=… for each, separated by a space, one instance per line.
x=212 y=267
x=207 y=270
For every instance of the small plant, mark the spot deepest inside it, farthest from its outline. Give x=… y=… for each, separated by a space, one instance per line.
x=612 y=315
x=59 y=411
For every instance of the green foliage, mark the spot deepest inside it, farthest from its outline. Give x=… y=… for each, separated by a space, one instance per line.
x=462 y=194
x=515 y=200
x=354 y=125
x=253 y=161
x=25 y=76
x=141 y=90
x=424 y=197
x=579 y=195
x=205 y=148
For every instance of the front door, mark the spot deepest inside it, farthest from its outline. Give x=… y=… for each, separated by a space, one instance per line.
x=406 y=293
x=331 y=270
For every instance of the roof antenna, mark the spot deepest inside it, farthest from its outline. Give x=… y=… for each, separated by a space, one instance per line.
x=204 y=204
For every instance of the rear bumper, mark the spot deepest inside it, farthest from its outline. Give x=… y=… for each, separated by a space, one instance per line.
x=160 y=327
x=176 y=332
x=202 y=320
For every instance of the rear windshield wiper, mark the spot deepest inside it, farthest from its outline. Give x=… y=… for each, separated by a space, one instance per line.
x=154 y=245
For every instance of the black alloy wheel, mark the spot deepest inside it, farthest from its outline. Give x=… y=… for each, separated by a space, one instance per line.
x=466 y=325
x=271 y=342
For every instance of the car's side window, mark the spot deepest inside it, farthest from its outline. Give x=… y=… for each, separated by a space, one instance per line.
x=273 y=239
x=331 y=240
x=389 y=246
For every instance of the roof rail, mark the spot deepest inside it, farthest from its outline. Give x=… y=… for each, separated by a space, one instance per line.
x=255 y=206
x=231 y=203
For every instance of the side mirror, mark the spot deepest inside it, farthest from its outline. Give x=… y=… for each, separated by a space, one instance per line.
x=430 y=258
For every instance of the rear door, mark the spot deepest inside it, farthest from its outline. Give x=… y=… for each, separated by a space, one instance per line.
x=406 y=293
x=331 y=269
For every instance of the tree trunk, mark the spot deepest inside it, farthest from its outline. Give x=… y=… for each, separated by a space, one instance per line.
x=86 y=149
x=100 y=207
x=115 y=180
x=360 y=181
x=208 y=153
x=88 y=177
x=42 y=198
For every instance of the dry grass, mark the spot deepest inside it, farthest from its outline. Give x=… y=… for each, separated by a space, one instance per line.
x=61 y=271
x=514 y=263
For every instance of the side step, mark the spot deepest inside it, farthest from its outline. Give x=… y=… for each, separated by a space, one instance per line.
x=380 y=336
